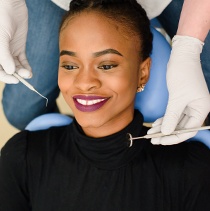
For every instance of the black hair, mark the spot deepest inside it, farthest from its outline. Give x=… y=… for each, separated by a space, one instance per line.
x=128 y=13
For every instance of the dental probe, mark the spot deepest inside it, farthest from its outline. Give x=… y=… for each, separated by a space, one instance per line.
x=29 y=86
x=157 y=135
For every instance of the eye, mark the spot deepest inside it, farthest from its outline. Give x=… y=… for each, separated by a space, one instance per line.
x=107 y=66
x=69 y=67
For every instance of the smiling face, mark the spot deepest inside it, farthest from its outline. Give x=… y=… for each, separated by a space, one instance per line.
x=99 y=72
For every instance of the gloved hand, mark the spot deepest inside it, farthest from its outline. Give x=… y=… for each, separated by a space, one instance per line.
x=189 y=100
x=13 y=33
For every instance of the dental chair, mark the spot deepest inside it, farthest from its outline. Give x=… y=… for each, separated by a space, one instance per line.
x=151 y=102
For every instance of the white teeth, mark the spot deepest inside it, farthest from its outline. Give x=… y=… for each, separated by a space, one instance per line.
x=89 y=102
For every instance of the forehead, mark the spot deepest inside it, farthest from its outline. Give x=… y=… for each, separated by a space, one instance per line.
x=94 y=26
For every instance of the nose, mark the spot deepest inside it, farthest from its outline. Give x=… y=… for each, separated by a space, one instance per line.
x=87 y=80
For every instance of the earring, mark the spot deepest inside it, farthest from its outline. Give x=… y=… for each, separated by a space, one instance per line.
x=141 y=88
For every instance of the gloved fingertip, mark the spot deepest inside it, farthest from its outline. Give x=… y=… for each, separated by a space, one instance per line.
x=149 y=131
x=8 y=79
x=154 y=130
x=25 y=73
x=155 y=141
x=13 y=82
x=154 y=124
x=157 y=122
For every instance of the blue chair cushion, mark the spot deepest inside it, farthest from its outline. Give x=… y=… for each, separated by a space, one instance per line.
x=46 y=121
x=153 y=100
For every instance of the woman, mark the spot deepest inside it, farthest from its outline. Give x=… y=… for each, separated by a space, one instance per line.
x=89 y=165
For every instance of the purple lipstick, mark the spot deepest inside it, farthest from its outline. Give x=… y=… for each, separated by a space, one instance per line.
x=89 y=103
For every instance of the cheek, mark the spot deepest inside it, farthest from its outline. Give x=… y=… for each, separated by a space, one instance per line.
x=131 y=78
x=125 y=85
x=64 y=81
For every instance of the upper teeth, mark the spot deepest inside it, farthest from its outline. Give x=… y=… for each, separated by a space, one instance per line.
x=89 y=102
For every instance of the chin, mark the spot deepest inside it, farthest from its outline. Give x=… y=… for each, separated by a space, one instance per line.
x=89 y=122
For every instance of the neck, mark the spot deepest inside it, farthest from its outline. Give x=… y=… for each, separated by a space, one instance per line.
x=112 y=126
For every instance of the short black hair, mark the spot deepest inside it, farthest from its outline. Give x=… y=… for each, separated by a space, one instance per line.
x=128 y=13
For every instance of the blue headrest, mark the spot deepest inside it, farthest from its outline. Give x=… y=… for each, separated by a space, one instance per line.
x=46 y=121
x=153 y=100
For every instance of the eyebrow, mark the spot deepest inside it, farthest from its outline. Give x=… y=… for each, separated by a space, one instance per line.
x=96 y=54
x=107 y=51
x=69 y=53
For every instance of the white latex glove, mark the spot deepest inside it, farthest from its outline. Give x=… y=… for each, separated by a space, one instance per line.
x=13 y=33
x=189 y=100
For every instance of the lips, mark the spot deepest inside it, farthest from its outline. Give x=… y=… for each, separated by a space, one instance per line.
x=89 y=103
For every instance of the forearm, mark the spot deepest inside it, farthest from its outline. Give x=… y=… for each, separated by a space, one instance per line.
x=195 y=19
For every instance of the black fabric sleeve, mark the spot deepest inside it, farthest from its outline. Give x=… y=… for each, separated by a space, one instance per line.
x=196 y=189
x=13 y=176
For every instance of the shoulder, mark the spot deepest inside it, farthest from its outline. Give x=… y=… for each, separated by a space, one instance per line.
x=197 y=163
x=52 y=135
x=45 y=143
x=188 y=161
x=26 y=142
x=198 y=152
x=186 y=168
x=196 y=176
x=15 y=148
x=13 y=173
x=192 y=151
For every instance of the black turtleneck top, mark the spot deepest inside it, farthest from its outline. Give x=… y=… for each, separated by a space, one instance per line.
x=61 y=169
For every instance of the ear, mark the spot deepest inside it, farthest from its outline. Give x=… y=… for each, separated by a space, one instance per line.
x=144 y=71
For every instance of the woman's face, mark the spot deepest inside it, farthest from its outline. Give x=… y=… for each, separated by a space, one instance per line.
x=99 y=72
